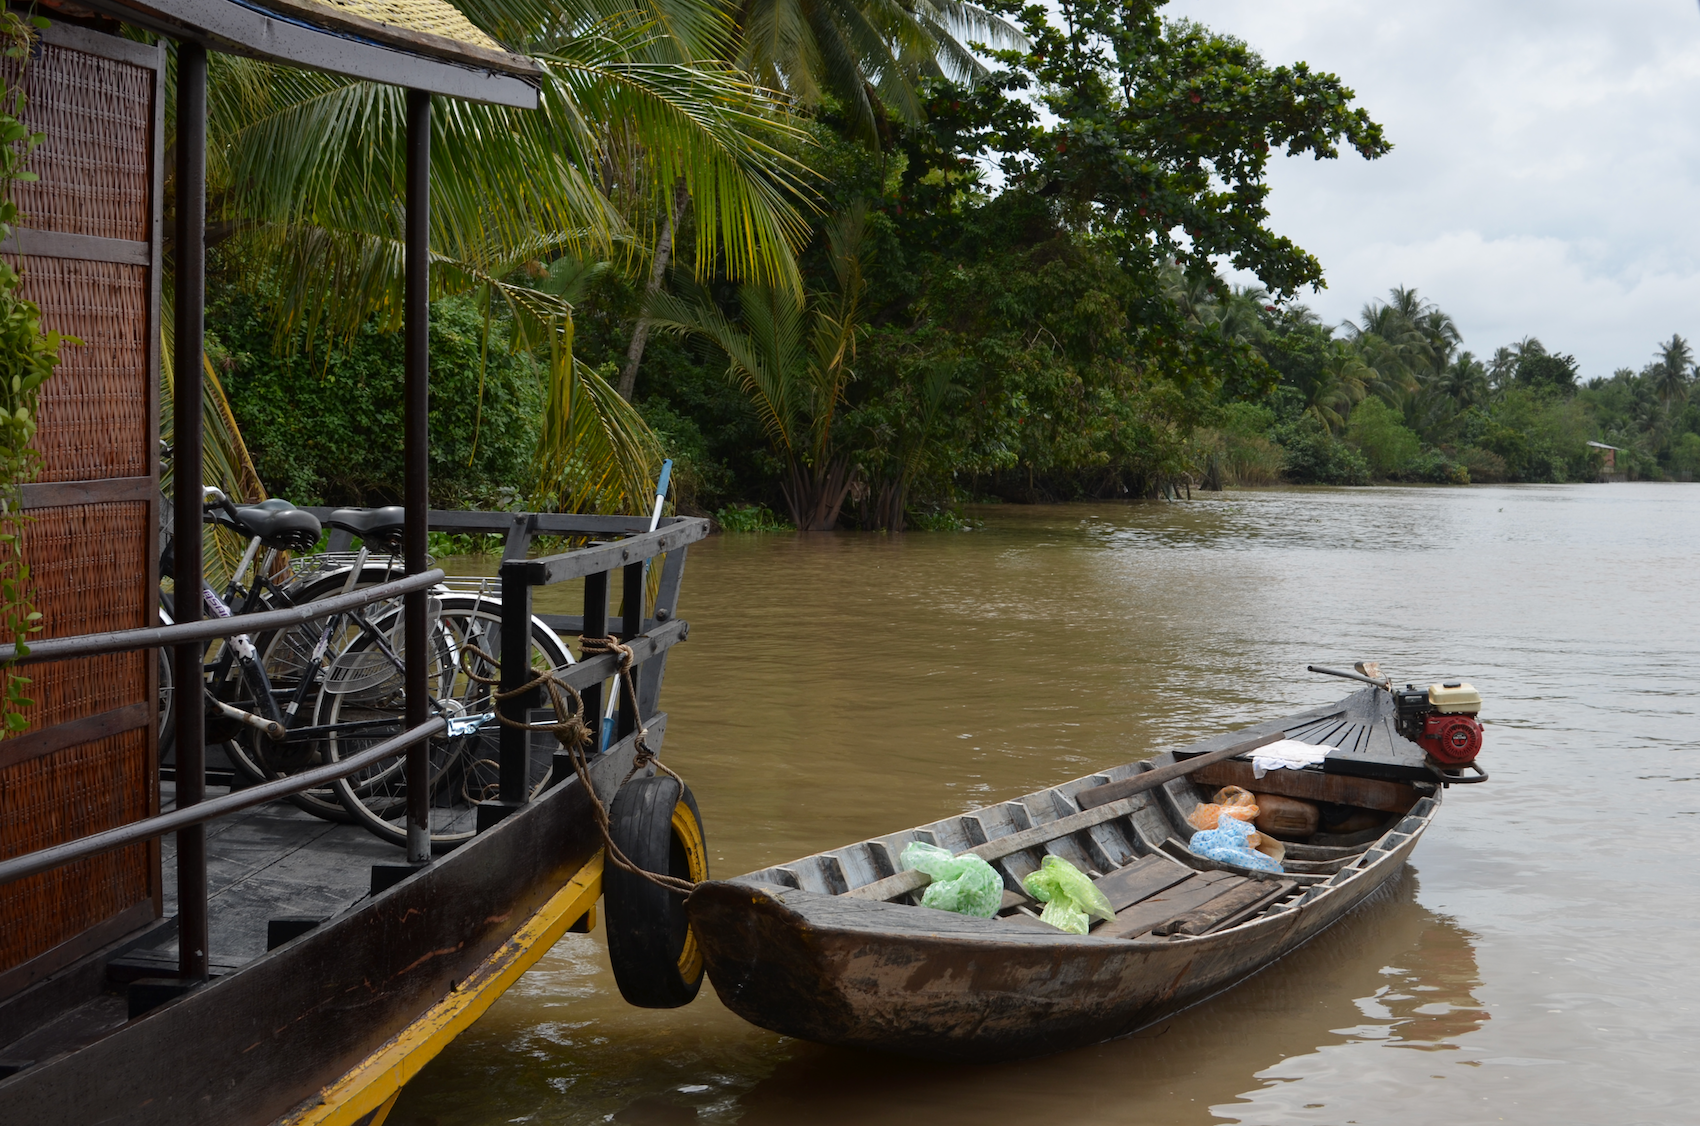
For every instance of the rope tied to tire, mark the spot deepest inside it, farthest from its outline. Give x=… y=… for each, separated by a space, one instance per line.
x=575 y=736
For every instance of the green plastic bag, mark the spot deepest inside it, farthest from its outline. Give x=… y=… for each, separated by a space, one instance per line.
x=1070 y=898
x=964 y=884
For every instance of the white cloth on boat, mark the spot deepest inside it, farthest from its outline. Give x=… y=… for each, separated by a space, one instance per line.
x=1288 y=754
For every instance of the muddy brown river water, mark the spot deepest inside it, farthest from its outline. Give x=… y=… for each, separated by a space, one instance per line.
x=1539 y=961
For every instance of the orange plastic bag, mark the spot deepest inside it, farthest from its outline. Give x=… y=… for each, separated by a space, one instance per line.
x=1230 y=801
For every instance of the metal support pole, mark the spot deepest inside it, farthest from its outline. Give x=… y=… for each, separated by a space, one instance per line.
x=515 y=760
x=632 y=596
x=595 y=625
x=416 y=395
x=190 y=299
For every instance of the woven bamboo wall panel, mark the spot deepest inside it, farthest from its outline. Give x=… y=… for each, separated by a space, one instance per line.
x=58 y=798
x=89 y=565
x=94 y=411
x=97 y=115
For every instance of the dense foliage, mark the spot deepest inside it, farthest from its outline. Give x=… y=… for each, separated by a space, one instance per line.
x=27 y=358
x=304 y=409
x=1004 y=282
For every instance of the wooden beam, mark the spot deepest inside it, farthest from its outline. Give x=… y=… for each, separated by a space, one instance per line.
x=62 y=494
x=375 y=1081
x=1314 y=785
x=1099 y=795
x=30 y=242
x=239 y=29
x=588 y=561
x=72 y=733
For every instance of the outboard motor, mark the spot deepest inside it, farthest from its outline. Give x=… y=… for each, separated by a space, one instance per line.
x=1441 y=719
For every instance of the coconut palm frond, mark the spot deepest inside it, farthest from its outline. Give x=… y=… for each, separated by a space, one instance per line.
x=766 y=356
x=594 y=452
x=225 y=462
x=706 y=126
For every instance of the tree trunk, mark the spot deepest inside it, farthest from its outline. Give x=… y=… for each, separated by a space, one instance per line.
x=815 y=494
x=657 y=274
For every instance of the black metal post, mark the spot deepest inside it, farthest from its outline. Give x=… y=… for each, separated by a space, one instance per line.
x=515 y=756
x=595 y=625
x=632 y=597
x=666 y=608
x=416 y=395
x=190 y=299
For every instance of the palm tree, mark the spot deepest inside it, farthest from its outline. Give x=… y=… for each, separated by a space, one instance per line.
x=1465 y=381
x=1672 y=371
x=306 y=169
x=1502 y=368
x=1240 y=315
x=791 y=356
x=1344 y=383
x=865 y=53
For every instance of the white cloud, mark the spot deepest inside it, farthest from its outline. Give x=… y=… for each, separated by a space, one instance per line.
x=1546 y=173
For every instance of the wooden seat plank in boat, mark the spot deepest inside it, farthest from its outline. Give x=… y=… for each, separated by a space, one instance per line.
x=1188 y=895
x=1231 y=906
x=1141 y=880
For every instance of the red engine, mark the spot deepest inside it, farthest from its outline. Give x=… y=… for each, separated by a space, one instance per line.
x=1441 y=719
x=1451 y=740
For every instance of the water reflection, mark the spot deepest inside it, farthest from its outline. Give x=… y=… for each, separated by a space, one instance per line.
x=1392 y=973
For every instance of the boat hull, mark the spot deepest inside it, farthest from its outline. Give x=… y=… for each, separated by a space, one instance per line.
x=864 y=975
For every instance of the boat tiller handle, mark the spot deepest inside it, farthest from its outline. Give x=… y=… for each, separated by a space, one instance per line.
x=1458 y=777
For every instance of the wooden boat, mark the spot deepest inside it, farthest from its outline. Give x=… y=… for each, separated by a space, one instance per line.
x=832 y=947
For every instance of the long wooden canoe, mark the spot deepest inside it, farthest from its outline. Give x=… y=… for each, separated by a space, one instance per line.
x=833 y=948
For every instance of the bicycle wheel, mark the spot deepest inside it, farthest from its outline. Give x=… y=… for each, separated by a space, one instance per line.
x=288 y=655
x=167 y=705
x=464 y=767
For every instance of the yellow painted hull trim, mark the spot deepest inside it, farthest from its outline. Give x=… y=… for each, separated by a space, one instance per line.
x=376 y=1082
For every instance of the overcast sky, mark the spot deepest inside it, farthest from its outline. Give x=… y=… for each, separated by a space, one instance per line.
x=1545 y=172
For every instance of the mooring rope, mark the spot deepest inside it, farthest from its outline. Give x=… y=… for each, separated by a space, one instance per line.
x=574 y=735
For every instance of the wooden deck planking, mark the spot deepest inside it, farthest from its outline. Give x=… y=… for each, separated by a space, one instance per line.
x=271 y=862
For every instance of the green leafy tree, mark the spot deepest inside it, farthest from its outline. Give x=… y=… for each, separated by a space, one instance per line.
x=1165 y=131
x=1380 y=433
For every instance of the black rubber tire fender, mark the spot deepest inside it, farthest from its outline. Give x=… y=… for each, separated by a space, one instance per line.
x=657 y=963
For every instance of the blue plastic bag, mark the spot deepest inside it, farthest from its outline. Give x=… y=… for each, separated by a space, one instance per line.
x=964 y=884
x=1227 y=842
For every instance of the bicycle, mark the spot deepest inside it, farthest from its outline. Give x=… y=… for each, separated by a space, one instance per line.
x=464 y=768
x=237 y=672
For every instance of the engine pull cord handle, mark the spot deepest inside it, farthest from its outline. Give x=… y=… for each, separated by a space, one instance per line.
x=1384 y=685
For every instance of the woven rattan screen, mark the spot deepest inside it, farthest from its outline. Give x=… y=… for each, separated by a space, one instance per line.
x=86 y=762
x=97 y=117
x=60 y=797
x=90 y=567
x=94 y=416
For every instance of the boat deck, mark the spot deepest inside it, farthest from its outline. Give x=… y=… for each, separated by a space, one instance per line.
x=273 y=862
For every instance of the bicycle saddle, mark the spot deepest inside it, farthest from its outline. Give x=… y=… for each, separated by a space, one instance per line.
x=379 y=527
x=286 y=529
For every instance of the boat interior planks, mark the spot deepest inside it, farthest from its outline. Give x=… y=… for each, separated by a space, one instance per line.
x=834 y=947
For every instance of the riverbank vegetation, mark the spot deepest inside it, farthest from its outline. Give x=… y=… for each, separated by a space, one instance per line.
x=852 y=264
